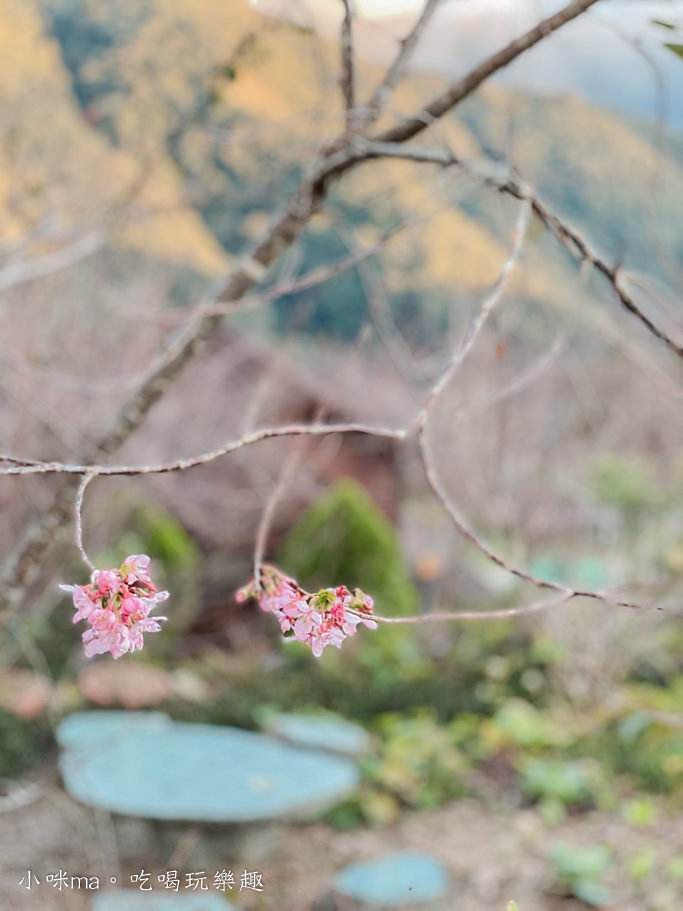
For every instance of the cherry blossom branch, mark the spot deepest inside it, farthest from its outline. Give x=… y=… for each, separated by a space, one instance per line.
x=503 y=613
x=18 y=466
x=88 y=472
x=335 y=160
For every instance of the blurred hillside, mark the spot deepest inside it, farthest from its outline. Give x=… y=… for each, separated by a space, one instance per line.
x=193 y=117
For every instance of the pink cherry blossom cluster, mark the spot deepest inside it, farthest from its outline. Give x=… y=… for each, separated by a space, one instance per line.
x=321 y=618
x=117 y=603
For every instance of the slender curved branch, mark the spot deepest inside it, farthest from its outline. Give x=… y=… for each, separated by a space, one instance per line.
x=569 y=237
x=21 y=467
x=503 y=613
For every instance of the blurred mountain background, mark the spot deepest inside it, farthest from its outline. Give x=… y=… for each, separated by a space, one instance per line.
x=221 y=105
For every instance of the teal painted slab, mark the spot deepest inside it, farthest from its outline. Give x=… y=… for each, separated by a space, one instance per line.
x=397 y=880
x=194 y=772
x=319 y=732
x=83 y=730
x=135 y=900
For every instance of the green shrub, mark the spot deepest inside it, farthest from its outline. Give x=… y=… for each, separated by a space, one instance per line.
x=579 y=871
x=345 y=539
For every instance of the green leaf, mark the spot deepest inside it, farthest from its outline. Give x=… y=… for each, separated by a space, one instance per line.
x=663 y=24
x=676 y=48
x=591 y=893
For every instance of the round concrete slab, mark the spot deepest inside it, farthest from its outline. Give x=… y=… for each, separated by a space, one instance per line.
x=147 y=765
x=131 y=900
x=396 y=880
x=319 y=732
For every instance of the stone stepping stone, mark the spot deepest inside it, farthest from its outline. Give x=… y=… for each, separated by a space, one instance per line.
x=145 y=764
x=330 y=733
x=395 y=881
x=135 y=900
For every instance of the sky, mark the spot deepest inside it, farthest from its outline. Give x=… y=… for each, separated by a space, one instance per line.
x=612 y=55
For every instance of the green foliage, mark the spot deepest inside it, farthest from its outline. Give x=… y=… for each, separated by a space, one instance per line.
x=520 y=724
x=674 y=869
x=578 y=872
x=674 y=46
x=418 y=763
x=345 y=539
x=628 y=484
x=639 y=812
x=642 y=863
x=567 y=782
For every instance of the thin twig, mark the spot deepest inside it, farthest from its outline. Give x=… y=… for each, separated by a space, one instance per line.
x=487 y=308
x=397 y=69
x=317 y=276
x=501 y=614
x=515 y=385
x=26 y=270
x=78 y=519
x=289 y=466
x=248 y=439
x=347 y=73
x=568 y=236
x=512 y=569
x=435 y=393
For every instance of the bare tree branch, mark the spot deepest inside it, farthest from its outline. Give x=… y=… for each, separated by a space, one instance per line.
x=487 y=308
x=347 y=79
x=26 y=270
x=397 y=69
x=333 y=162
x=287 y=470
x=27 y=466
x=568 y=236
x=464 y=87
x=428 y=461
x=502 y=614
